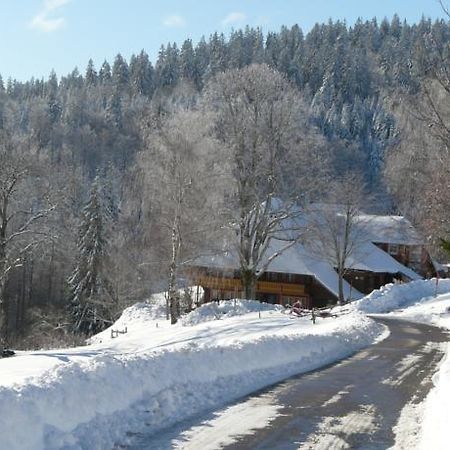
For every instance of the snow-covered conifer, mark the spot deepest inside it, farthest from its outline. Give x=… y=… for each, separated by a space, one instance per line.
x=91 y=297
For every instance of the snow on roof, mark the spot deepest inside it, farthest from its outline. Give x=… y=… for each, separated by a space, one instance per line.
x=366 y=256
x=439 y=267
x=369 y=257
x=390 y=230
x=325 y=274
x=295 y=260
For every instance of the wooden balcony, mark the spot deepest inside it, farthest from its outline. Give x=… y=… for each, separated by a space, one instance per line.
x=263 y=287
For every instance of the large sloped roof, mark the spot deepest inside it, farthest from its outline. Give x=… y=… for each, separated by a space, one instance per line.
x=369 y=257
x=295 y=260
x=390 y=230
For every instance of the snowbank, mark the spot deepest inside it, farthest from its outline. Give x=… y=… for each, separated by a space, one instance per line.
x=394 y=296
x=425 y=302
x=436 y=419
x=157 y=374
x=225 y=309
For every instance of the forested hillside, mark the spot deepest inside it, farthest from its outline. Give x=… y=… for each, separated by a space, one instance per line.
x=111 y=177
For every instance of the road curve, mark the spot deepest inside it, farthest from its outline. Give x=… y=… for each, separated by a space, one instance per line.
x=351 y=404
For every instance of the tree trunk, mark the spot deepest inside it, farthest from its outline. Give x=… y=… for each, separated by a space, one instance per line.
x=174 y=299
x=249 y=279
x=174 y=309
x=20 y=299
x=341 y=298
x=50 y=276
x=2 y=319
x=172 y=294
x=2 y=297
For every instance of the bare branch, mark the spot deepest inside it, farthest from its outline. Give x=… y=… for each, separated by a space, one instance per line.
x=444 y=8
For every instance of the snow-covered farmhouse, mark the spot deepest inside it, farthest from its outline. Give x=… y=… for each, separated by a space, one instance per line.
x=391 y=251
x=398 y=244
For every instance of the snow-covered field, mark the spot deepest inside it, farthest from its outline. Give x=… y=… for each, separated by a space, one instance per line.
x=423 y=426
x=156 y=374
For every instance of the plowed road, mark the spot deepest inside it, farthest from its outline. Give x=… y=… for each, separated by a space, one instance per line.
x=354 y=404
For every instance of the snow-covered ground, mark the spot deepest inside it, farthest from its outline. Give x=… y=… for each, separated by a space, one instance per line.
x=424 y=426
x=156 y=374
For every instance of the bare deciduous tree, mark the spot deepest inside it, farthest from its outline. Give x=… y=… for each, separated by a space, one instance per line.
x=181 y=173
x=260 y=120
x=23 y=206
x=417 y=169
x=334 y=232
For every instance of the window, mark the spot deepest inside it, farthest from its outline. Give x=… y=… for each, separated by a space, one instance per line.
x=415 y=254
x=271 y=276
x=393 y=249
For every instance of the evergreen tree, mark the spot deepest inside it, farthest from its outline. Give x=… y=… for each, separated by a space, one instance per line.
x=113 y=110
x=104 y=75
x=187 y=61
x=218 y=54
x=237 y=57
x=445 y=244
x=201 y=61
x=170 y=69
x=258 y=46
x=91 y=74
x=120 y=72
x=51 y=87
x=91 y=297
x=51 y=90
x=141 y=74
x=74 y=79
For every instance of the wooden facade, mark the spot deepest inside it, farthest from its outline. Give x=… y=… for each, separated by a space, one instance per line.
x=271 y=287
x=365 y=282
x=416 y=257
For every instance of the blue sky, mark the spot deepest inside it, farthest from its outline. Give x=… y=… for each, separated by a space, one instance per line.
x=38 y=35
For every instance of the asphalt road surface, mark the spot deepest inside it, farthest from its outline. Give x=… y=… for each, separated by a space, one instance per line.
x=352 y=404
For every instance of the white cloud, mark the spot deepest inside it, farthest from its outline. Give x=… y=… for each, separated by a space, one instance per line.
x=174 y=21
x=233 y=18
x=43 y=21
